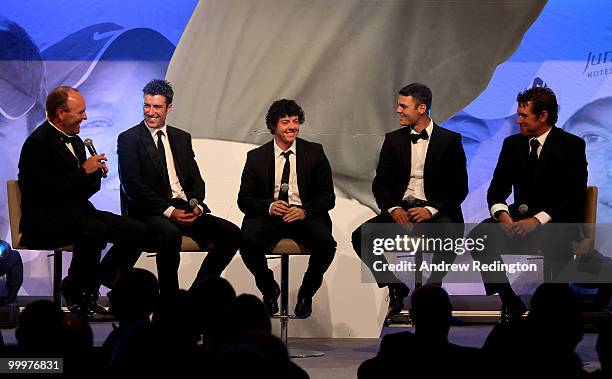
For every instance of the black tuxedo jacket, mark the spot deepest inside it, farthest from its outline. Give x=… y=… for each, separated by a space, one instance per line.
x=55 y=189
x=560 y=180
x=445 y=174
x=314 y=179
x=140 y=170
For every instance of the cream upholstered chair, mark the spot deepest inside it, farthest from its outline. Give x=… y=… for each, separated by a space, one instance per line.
x=14 y=205
x=586 y=243
x=589 y=219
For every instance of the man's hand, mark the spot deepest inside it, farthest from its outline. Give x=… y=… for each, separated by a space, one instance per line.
x=507 y=223
x=419 y=214
x=182 y=218
x=95 y=163
x=294 y=214
x=525 y=226
x=197 y=212
x=400 y=216
x=279 y=208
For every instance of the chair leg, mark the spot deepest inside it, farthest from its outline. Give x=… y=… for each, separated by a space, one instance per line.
x=418 y=274
x=284 y=314
x=57 y=278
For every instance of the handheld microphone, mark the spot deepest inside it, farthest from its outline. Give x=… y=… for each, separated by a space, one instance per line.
x=283 y=193
x=193 y=203
x=92 y=151
x=523 y=209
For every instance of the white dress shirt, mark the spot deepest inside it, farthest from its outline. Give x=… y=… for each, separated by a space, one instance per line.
x=416 y=184
x=542 y=216
x=175 y=183
x=68 y=144
x=279 y=164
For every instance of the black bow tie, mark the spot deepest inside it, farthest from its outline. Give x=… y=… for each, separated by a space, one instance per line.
x=68 y=139
x=415 y=137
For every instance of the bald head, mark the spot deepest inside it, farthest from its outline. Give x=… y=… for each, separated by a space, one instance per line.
x=66 y=109
x=57 y=99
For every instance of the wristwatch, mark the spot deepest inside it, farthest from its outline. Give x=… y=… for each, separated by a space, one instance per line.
x=498 y=213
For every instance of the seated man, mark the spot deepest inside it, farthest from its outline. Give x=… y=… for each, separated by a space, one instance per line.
x=162 y=186
x=546 y=169
x=286 y=192
x=421 y=178
x=56 y=182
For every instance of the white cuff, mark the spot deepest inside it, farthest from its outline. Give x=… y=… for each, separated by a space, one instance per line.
x=498 y=207
x=432 y=210
x=543 y=217
x=392 y=209
x=169 y=211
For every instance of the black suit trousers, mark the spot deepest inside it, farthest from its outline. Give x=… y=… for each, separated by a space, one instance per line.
x=556 y=250
x=260 y=235
x=206 y=230
x=385 y=278
x=90 y=233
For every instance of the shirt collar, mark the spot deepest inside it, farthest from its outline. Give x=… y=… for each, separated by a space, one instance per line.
x=56 y=128
x=278 y=150
x=429 y=128
x=153 y=131
x=541 y=139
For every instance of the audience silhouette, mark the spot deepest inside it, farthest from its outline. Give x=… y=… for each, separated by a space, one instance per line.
x=211 y=332
x=544 y=343
x=427 y=350
x=131 y=347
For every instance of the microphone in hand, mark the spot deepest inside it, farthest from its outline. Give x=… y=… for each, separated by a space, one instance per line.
x=92 y=151
x=283 y=194
x=193 y=203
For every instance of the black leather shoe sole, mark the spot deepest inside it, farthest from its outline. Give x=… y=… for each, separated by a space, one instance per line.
x=397 y=294
x=271 y=302
x=303 y=308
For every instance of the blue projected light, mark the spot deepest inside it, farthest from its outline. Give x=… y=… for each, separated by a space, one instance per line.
x=5 y=248
x=108 y=50
x=568 y=50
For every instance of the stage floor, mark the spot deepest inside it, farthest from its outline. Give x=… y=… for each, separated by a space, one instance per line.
x=344 y=355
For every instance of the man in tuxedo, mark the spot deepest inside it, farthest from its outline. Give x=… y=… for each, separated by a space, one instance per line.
x=162 y=186
x=421 y=178
x=286 y=192
x=546 y=169
x=56 y=182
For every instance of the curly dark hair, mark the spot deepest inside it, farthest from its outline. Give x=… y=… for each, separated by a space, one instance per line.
x=159 y=87
x=283 y=108
x=543 y=99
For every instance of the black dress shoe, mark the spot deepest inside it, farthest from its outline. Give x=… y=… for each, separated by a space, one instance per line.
x=303 y=308
x=512 y=311
x=77 y=301
x=78 y=305
x=91 y=301
x=81 y=310
x=397 y=294
x=271 y=300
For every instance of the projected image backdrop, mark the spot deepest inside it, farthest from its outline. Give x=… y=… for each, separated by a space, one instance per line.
x=108 y=50
x=343 y=65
